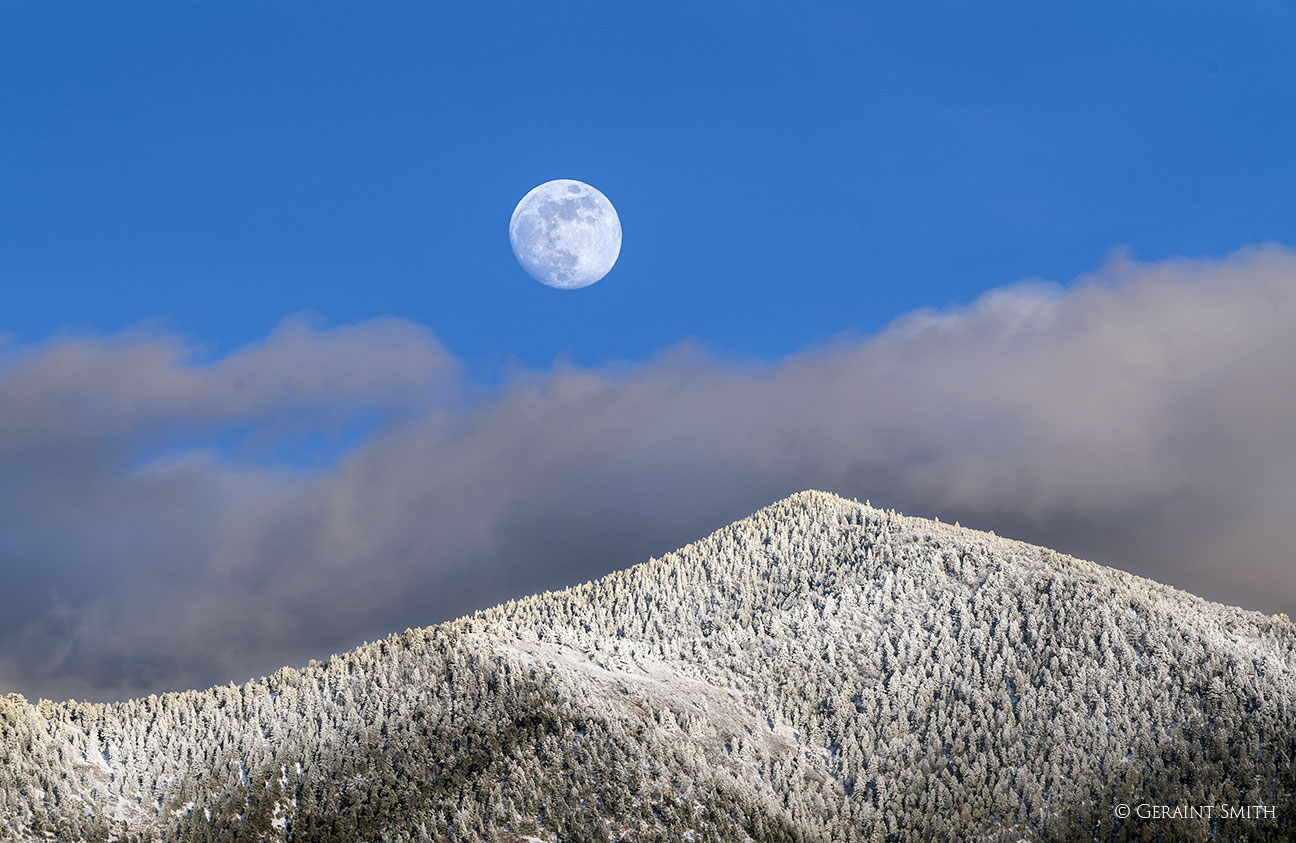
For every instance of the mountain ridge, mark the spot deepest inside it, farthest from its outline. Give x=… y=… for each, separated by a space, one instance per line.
x=934 y=667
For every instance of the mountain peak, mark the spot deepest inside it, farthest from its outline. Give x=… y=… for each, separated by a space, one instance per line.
x=819 y=670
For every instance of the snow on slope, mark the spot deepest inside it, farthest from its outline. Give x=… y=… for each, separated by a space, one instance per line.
x=822 y=670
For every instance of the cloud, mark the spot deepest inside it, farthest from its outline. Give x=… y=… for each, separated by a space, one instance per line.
x=1139 y=416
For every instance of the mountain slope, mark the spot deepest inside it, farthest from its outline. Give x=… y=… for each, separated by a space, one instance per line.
x=822 y=670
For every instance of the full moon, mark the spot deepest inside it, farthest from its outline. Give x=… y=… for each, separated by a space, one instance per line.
x=566 y=234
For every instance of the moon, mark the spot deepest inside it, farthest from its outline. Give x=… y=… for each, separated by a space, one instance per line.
x=566 y=234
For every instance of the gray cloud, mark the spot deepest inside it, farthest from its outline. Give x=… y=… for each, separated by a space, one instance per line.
x=1141 y=416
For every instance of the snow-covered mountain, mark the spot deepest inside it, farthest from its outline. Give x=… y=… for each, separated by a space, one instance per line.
x=822 y=670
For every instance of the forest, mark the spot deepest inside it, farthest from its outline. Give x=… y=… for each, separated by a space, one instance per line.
x=820 y=671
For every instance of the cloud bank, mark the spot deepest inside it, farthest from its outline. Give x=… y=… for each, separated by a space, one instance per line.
x=1141 y=416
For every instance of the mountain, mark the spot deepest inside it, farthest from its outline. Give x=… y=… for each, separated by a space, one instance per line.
x=820 y=671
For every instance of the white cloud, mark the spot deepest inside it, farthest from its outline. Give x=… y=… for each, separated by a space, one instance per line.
x=1140 y=416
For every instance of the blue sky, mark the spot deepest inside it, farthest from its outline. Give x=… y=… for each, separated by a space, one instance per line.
x=826 y=210
x=783 y=172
